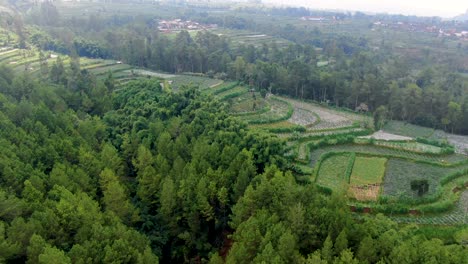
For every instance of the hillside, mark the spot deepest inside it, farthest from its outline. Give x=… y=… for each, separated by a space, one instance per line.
x=265 y=139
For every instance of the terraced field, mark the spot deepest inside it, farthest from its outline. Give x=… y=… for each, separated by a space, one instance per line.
x=366 y=178
x=329 y=118
x=244 y=37
x=379 y=151
x=246 y=104
x=233 y=93
x=279 y=110
x=332 y=172
x=201 y=82
x=400 y=174
x=457 y=216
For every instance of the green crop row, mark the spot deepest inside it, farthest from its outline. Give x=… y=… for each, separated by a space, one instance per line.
x=261 y=111
x=445 y=201
x=407 y=145
x=279 y=130
x=329 y=140
x=233 y=95
x=446 y=147
x=225 y=88
x=277 y=119
x=349 y=168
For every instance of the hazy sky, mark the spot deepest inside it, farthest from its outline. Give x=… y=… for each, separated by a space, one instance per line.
x=443 y=8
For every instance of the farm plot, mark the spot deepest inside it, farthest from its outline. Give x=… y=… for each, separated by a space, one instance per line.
x=279 y=111
x=201 y=82
x=303 y=117
x=275 y=126
x=246 y=104
x=329 y=118
x=460 y=143
x=9 y=53
x=332 y=172
x=382 y=135
x=15 y=58
x=316 y=133
x=366 y=178
x=369 y=149
x=454 y=217
x=220 y=87
x=401 y=174
x=411 y=146
x=244 y=37
x=110 y=68
x=409 y=130
x=232 y=93
x=99 y=64
x=141 y=72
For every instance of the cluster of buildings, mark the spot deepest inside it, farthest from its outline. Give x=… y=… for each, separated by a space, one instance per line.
x=178 y=24
x=423 y=27
x=319 y=18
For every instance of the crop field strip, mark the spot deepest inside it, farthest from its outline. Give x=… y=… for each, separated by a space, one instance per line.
x=332 y=172
x=201 y=82
x=381 y=151
x=279 y=111
x=411 y=146
x=457 y=216
x=366 y=178
x=303 y=117
x=306 y=136
x=276 y=125
x=216 y=89
x=405 y=129
x=257 y=39
x=10 y=53
x=400 y=173
x=236 y=91
x=329 y=118
x=11 y=58
x=110 y=68
x=243 y=104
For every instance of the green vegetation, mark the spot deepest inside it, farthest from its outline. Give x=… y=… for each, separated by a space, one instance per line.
x=201 y=82
x=368 y=171
x=247 y=104
x=241 y=144
x=279 y=111
x=332 y=172
x=366 y=177
x=400 y=173
x=406 y=129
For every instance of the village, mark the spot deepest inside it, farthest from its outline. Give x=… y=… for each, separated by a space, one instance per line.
x=440 y=30
x=169 y=26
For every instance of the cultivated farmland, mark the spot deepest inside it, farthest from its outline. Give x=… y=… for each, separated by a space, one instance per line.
x=366 y=177
x=332 y=172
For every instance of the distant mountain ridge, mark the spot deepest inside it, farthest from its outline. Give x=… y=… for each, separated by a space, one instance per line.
x=462 y=17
